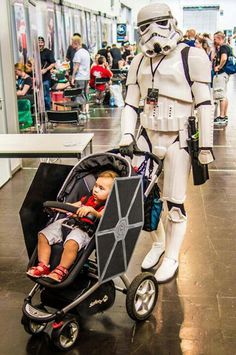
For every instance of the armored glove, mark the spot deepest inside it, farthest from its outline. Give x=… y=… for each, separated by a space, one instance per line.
x=127 y=145
x=206 y=156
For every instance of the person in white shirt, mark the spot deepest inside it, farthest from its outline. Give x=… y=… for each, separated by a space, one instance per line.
x=81 y=71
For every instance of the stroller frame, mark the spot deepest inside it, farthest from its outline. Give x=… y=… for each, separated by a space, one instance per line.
x=41 y=317
x=141 y=293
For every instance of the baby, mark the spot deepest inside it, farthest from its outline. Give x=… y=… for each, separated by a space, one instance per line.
x=77 y=238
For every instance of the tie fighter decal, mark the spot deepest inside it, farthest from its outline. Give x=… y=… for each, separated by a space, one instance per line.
x=119 y=227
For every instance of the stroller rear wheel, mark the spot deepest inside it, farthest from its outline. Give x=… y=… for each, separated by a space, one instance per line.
x=65 y=337
x=31 y=326
x=142 y=296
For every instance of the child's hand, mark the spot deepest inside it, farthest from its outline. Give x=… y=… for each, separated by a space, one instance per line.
x=84 y=210
x=76 y=204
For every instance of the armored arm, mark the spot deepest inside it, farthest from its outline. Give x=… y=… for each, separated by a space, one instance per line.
x=203 y=105
x=128 y=120
x=130 y=112
x=200 y=74
x=201 y=92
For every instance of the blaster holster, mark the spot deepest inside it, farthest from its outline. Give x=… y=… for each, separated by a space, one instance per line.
x=200 y=171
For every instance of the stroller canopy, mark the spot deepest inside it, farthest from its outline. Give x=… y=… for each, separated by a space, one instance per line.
x=87 y=170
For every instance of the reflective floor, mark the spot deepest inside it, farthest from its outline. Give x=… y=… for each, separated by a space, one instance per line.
x=195 y=313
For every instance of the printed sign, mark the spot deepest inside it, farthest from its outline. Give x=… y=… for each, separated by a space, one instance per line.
x=121 y=32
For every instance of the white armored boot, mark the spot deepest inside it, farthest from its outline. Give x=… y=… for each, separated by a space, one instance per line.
x=175 y=231
x=153 y=256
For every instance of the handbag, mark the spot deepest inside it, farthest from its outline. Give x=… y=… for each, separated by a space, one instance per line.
x=152 y=203
x=152 y=209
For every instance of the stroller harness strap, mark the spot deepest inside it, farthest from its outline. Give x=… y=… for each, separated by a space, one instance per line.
x=88 y=225
x=89 y=201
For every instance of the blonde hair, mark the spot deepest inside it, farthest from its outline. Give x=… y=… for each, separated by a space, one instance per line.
x=20 y=66
x=220 y=34
x=77 y=40
x=191 y=32
x=109 y=174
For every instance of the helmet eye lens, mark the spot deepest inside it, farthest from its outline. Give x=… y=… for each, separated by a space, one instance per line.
x=162 y=23
x=144 y=27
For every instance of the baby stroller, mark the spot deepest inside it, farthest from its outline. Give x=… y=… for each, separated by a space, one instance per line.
x=89 y=288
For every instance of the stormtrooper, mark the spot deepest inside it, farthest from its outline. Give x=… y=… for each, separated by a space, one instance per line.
x=172 y=80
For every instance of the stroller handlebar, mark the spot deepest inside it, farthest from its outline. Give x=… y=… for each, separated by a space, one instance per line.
x=60 y=206
x=150 y=155
x=65 y=207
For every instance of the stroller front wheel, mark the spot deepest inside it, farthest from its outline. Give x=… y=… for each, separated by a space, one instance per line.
x=65 y=337
x=142 y=296
x=31 y=326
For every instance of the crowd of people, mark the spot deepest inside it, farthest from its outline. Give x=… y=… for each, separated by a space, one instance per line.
x=84 y=70
x=218 y=48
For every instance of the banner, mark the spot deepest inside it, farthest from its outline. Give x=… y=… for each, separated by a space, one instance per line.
x=60 y=34
x=50 y=27
x=21 y=36
x=121 y=32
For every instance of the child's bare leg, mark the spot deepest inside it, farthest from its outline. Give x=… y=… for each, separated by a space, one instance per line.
x=69 y=255
x=44 y=252
x=100 y=95
x=44 y=249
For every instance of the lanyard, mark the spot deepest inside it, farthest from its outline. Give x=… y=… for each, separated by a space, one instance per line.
x=20 y=81
x=20 y=84
x=154 y=71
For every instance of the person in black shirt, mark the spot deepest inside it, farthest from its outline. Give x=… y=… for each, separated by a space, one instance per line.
x=127 y=54
x=24 y=83
x=222 y=53
x=103 y=50
x=47 y=63
x=116 y=56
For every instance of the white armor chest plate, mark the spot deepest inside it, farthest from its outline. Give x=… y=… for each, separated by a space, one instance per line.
x=175 y=97
x=169 y=77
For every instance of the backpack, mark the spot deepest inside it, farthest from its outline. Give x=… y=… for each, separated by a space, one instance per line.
x=230 y=66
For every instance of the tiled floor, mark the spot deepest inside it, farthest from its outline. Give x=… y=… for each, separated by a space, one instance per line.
x=195 y=314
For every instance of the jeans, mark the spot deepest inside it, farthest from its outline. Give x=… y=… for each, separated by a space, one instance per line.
x=46 y=91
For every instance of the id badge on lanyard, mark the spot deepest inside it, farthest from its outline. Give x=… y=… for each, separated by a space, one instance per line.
x=152 y=94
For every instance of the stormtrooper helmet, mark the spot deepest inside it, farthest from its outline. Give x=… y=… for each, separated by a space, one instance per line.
x=158 y=30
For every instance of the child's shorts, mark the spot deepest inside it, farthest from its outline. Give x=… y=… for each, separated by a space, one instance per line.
x=53 y=233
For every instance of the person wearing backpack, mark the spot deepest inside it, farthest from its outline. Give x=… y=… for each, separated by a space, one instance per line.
x=221 y=78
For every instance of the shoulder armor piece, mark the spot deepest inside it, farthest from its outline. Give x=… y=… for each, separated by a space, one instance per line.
x=199 y=65
x=133 y=69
